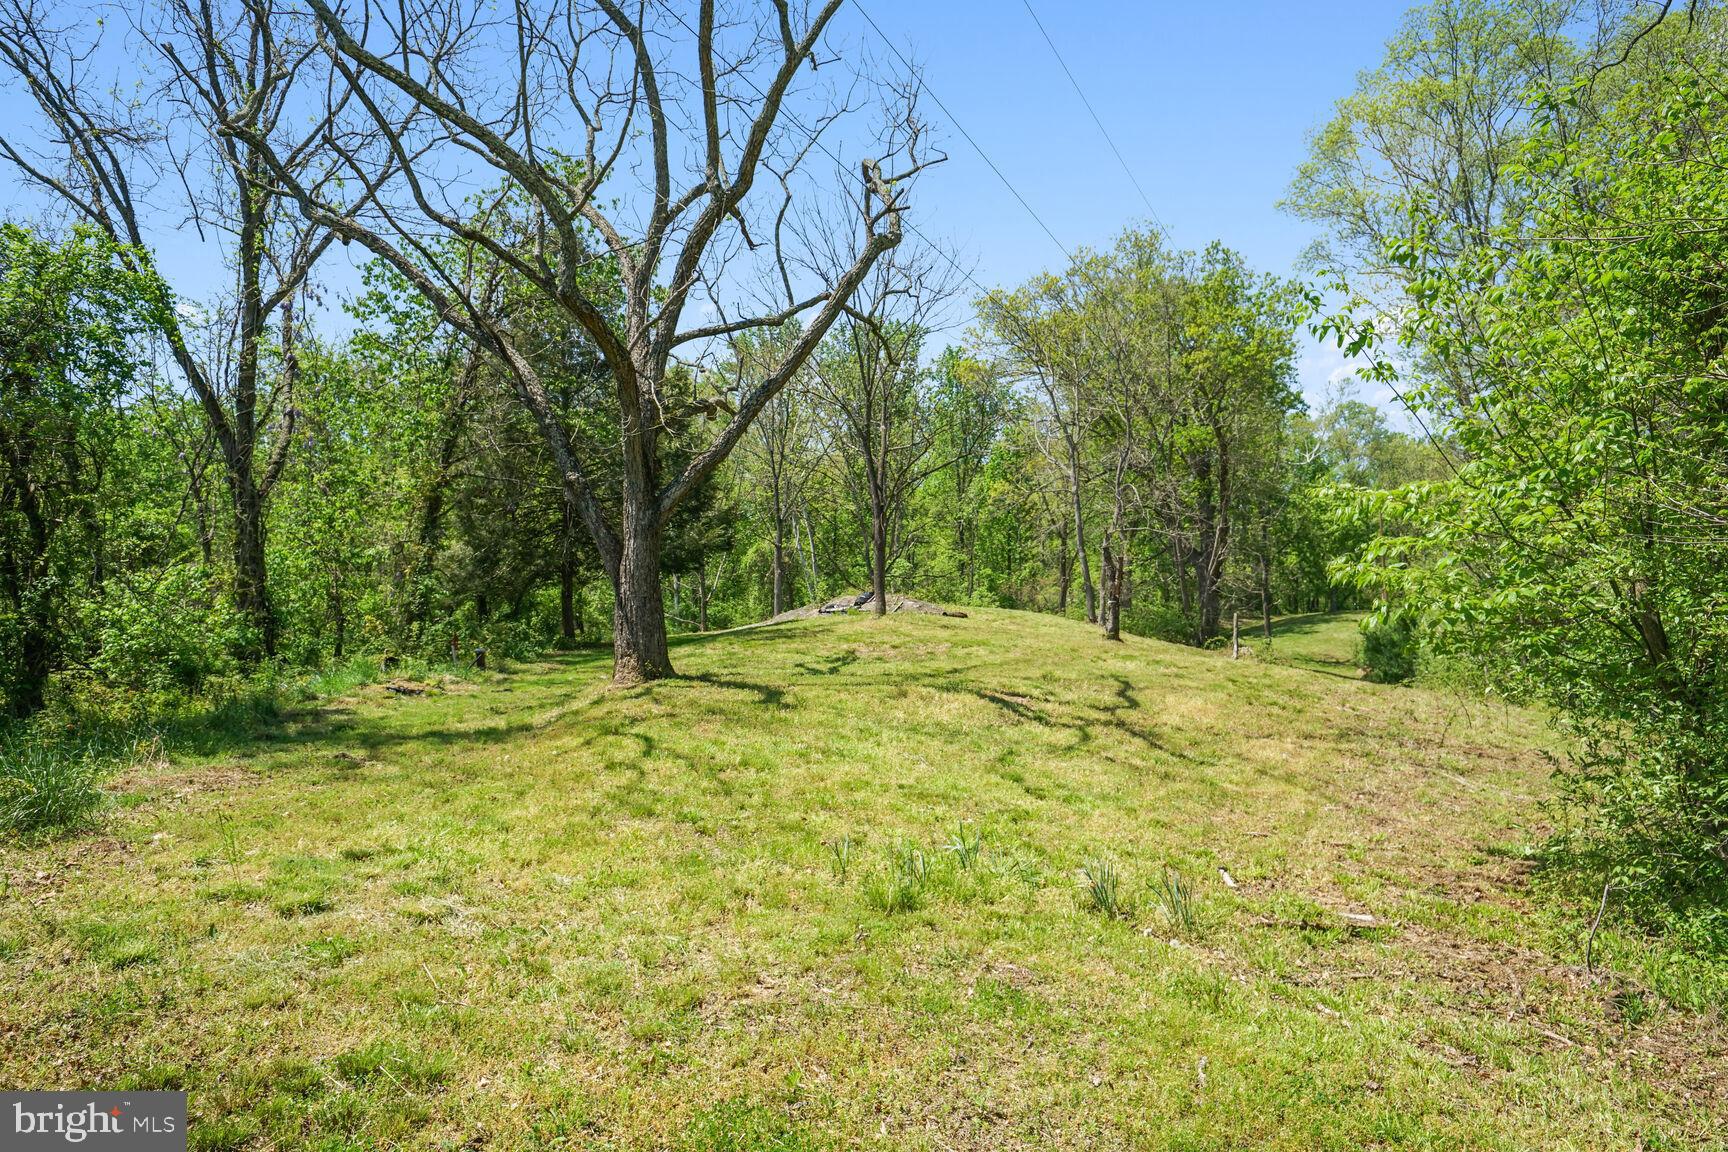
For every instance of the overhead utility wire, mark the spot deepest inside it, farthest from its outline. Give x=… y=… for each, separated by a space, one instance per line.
x=1102 y=131
x=829 y=152
x=961 y=128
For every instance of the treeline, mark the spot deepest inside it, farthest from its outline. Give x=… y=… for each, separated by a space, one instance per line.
x=1120 y=442
x=664 y=370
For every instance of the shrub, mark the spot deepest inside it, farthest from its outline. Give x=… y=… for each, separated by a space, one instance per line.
x=174 y=633
x=1389 y=647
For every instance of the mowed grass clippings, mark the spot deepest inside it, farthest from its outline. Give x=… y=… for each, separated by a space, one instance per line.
x=917 y=883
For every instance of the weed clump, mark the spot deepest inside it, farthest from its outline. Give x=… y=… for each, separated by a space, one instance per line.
x=966 y=850
x=1103 y=891
x=48 y=787
x=899 y=885
x=1176 y=898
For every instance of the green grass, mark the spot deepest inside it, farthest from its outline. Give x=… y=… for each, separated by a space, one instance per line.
x=836 y=889
x=1318 y=641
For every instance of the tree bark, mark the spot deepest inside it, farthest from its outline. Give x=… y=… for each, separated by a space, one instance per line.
x=1112 y=615
x=878 y=552
x=639 y=651
x=632 y=553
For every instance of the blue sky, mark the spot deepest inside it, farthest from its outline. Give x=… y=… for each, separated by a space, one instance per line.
x=1208 y=102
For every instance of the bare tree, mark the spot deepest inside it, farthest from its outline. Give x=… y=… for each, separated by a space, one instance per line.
x=112 y=160
x=599 y=125
x=872 y=384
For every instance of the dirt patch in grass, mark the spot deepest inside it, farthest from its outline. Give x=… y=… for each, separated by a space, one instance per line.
x=162 y=779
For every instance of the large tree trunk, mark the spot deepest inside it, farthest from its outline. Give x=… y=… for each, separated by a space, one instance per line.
x=639 y=652
x=251 y=590
x=878 y=551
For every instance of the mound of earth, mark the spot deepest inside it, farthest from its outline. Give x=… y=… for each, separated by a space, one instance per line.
x=860 y=602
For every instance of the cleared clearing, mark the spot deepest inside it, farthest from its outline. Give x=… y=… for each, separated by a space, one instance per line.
x=739 y=911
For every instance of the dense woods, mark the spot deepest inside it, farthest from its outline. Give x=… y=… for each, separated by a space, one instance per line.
x=672 y=356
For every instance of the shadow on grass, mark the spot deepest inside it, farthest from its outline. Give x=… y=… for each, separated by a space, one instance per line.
x=567 y=692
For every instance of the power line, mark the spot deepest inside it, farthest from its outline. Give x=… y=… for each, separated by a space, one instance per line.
x=1103 y=131
x=816 y=138
x=961 y=128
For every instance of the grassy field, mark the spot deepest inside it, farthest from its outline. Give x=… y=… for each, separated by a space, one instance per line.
x=917 y=883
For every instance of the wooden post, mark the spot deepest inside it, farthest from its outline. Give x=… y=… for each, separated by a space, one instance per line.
x=1235 y=635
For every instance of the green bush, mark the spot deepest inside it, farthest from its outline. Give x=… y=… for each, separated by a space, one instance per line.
x=1159 y=620
x=1390 y=647
x=170 y=634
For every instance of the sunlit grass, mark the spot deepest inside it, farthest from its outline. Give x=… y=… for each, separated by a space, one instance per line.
x=831 y=890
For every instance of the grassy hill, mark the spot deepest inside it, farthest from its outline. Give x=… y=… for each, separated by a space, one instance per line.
x=914 y=883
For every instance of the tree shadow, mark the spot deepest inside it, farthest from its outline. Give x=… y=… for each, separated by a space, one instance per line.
x=835 y=664
x=768 y=694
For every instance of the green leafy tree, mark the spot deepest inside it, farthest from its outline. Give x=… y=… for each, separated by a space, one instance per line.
x=1579 y=548
x=69 y=312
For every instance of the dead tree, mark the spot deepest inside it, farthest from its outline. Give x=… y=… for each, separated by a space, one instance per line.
x=646 y=136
